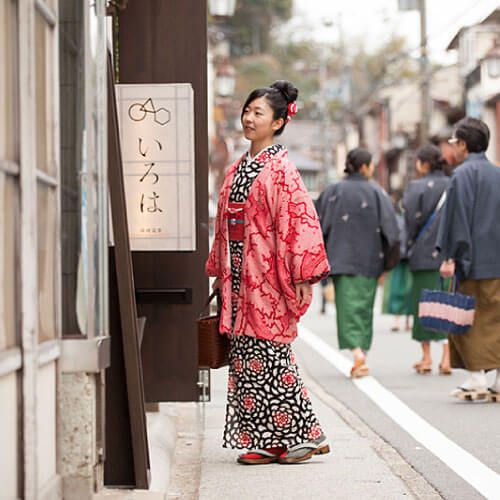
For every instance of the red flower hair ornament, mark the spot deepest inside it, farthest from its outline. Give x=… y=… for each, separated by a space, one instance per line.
x=292 y=110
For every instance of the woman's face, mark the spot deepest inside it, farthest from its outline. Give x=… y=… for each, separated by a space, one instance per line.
x=258 y=120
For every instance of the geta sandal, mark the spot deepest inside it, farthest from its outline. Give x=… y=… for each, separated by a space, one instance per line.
x=493 y=395
x=478 y=394
x=423 y=369
x=444 y=370
x=261 y=457
x=305 y=451
x=359 y=369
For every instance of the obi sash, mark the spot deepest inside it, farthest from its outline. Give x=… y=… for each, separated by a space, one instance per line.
x=236 y=220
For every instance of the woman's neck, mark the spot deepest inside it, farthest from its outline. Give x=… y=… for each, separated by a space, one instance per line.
x=258 y=146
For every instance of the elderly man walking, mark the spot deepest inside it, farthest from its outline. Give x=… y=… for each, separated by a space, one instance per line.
x=469 y=240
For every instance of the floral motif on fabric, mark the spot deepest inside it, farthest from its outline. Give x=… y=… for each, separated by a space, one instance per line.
x=268 y=406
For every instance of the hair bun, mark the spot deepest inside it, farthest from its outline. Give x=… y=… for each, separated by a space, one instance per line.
x=289 y=91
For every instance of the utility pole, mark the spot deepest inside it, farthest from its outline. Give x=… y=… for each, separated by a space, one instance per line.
x=424 y=75
x=326 y=157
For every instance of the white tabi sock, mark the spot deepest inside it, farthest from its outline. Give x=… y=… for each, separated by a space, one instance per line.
x=476 y=380
x=496 y=384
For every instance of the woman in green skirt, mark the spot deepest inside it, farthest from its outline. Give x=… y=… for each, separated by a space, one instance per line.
x=356 y=215
x=421 y=202
x=397 y=283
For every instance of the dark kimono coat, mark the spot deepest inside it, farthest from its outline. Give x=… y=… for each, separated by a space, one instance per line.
x=469 y=231
x=419 y=202
x=355 y=216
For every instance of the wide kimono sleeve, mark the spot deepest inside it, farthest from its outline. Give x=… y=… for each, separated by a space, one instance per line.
x=389 y=230
x=412 y=205
x=454 y=239
x=299 y=240
x=322 y=208
x=212 y=266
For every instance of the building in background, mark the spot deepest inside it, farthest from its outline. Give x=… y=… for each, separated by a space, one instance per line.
x=389 y=125
x=478 y=49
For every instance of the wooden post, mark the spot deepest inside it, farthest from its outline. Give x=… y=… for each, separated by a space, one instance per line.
x=165 y=41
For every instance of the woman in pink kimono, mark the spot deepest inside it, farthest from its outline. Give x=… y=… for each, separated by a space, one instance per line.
x=267 y=253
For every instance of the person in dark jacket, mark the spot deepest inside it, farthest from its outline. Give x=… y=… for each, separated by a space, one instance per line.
x=357 y=216
x=469 y=241
x=397 y=283
x=421 y=203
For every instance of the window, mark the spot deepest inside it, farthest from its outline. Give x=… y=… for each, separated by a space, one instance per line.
x=47 y=181
x=83 y=168
x=9 y=175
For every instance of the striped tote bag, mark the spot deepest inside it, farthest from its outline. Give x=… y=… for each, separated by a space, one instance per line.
x=449 y=312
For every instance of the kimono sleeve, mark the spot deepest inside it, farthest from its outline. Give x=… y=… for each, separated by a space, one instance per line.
x=454 y=235
x=299 y=239
x=412 y=204
x=213 y=264
x=322 y=208
x=389 y=230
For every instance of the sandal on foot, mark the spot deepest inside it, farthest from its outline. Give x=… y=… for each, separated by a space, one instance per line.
x=476 y=394
x=493 y=395
x=423 y=368
x=444 y=370
x=260 y=457
x=359 y=369
x=304 y=451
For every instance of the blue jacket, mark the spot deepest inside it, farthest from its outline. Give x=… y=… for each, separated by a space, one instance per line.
x=469 y=231
x=419 y=202
x=356 y=215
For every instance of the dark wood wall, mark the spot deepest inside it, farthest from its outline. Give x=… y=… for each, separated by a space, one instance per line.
x=165 y=41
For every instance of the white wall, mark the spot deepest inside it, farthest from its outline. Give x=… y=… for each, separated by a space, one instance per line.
x=490 y=119
x=9 y=432
x=46 y=420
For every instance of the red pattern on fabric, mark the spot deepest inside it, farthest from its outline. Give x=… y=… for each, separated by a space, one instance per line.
x=281 y=418
x=238 y=365
x=315 y=432
x=288 y=378
x=255 y=365
x=305 y=394
x=248 y=403
x=245 y=440
x=283 y=246
x=231 y=383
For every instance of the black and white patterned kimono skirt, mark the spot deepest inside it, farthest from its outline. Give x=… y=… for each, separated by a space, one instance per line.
x=268 y=404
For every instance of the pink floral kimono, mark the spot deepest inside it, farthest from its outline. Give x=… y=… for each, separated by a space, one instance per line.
x=267 y=239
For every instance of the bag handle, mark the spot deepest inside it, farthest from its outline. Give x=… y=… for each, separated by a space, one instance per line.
x=453 y=284
x=211 y=297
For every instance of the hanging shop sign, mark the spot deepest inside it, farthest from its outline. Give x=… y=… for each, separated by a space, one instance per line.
x=157 y=144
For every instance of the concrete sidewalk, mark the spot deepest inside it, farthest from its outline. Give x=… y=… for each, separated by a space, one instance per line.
x=361 y=465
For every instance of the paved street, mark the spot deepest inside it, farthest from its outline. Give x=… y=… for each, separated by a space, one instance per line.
x=473 y=427
x=372 y=455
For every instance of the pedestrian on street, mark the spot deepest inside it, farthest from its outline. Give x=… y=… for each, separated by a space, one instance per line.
x=469 y=241
x=422 y=203
x=398 y=282
x=267 y=253
x=357 y=217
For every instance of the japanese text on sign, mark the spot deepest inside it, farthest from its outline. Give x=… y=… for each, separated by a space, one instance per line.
x=156 y=132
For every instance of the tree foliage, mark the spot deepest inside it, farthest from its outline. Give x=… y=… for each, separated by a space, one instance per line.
x=252 y=24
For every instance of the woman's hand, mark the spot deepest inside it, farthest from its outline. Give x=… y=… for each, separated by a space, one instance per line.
x=447 y=269
x=303 y=293
x=217 y=285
